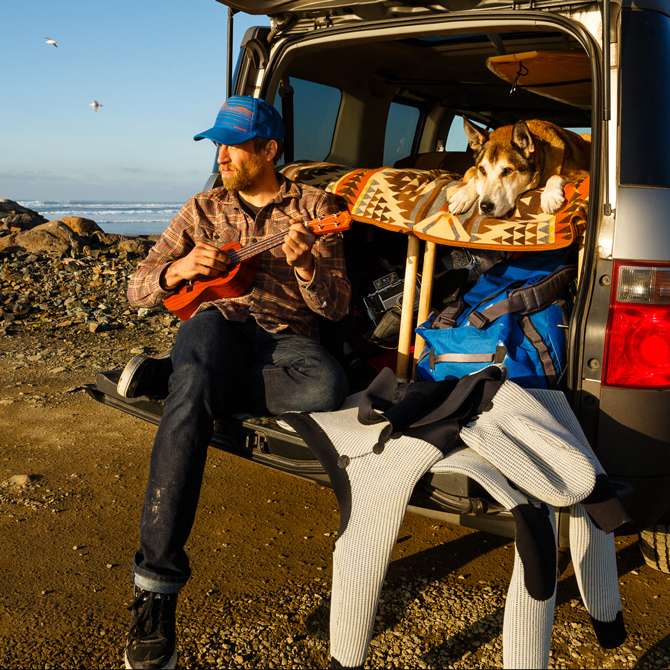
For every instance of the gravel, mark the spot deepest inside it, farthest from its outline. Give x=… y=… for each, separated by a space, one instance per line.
x=68 y=317
x=86 y=293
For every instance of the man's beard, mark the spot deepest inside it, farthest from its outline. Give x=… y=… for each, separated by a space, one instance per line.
x=242 y=177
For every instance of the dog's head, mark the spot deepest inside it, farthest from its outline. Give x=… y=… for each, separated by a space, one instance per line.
x=506 y=165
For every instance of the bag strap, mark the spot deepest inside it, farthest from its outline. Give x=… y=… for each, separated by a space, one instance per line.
x=497 y=357
x=527 y=299
x=447 y=317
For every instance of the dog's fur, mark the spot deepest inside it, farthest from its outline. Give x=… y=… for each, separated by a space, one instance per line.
x=514 y=159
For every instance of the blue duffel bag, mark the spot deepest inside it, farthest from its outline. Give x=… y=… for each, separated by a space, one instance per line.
x=516 y=314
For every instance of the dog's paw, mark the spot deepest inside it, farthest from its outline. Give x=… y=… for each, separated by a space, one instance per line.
x=463 y=199
x=553 y=197
x=551 y=201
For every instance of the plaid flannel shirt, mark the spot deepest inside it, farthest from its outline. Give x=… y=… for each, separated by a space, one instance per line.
x=277 y=299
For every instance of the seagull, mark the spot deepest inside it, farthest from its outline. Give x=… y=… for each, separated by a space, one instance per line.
x=95 y=104
x=51 y=41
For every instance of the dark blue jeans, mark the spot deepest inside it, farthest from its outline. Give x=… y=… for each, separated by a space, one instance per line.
x=220 y=367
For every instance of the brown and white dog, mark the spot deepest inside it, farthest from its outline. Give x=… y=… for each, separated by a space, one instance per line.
x=514 y=159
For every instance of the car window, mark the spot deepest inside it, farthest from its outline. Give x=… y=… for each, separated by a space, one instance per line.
x=645 y=99
x=315 y=109
x=456 y=139
x=401 y=129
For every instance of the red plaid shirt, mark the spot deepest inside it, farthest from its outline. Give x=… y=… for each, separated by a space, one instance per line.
x=277 y=298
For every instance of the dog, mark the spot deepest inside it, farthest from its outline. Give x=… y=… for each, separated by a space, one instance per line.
x=514 y=159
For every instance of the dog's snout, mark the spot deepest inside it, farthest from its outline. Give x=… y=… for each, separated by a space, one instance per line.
x=486 y=206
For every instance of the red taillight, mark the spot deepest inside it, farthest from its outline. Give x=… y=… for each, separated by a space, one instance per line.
x=637 y=346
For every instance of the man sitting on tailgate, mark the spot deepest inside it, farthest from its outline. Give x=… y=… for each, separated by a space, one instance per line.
x=257 y=352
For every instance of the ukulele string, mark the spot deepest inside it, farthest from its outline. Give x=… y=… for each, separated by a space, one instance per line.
x=250 y=251
x=236 y=257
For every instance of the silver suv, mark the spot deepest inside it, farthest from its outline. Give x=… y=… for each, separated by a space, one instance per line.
x=375 y=83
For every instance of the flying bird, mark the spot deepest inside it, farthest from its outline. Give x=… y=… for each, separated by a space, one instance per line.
x=51 y=41
x=95 y=104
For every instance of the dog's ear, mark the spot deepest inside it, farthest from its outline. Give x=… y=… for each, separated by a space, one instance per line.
x=476 y=136
x=522 y=138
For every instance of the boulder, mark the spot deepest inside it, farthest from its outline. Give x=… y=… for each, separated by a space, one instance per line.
x=81 y=226
x=62 y=232
x=34 y=241
x=9 y=208
x=23 y=221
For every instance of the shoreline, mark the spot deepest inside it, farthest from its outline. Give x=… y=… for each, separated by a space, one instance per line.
x=121 y=217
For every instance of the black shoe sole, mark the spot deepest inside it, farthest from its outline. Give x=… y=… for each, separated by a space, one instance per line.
x=172 y=663
x=139 y=374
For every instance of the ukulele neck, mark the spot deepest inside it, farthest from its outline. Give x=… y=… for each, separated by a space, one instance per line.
x=252 y=250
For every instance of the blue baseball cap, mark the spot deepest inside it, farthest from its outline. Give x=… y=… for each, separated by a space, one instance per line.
x=241 y=118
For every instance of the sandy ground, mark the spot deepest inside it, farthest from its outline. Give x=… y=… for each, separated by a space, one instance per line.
x=260 y=549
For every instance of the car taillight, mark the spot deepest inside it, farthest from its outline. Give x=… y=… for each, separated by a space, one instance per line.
x=637 y=346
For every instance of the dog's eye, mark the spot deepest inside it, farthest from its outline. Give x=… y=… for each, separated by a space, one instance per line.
x=507 y=171
x=482 y=171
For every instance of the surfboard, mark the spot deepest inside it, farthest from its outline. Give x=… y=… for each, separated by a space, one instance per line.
x=560 y=75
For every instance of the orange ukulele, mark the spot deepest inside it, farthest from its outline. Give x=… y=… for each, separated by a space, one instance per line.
x=239 y=274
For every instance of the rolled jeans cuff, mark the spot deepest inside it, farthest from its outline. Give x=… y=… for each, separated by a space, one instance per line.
x=160 y=585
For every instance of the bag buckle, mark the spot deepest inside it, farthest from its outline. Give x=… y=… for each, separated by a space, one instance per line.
x=478 y=320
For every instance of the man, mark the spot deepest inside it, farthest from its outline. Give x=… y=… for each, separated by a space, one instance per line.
x=258 y=352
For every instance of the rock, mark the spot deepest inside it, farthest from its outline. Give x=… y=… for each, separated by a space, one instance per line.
x=8 y=242
x=143 y=312
x=107 y=239
x=21 y=480
x=81 y=226
x=23 y=221
x=62 y=232
x=97 y=327
x=10 y=208
x=34 y=241
x=135 y=246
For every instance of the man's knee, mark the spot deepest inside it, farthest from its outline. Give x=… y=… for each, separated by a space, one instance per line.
x=313 y=387
x=330 y=389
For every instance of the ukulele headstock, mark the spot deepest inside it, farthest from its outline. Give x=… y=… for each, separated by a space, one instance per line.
x=333 y=223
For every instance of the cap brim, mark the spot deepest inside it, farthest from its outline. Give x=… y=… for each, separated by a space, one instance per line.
x=224 y=136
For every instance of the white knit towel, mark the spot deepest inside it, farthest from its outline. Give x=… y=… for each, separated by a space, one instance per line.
x=532 y=448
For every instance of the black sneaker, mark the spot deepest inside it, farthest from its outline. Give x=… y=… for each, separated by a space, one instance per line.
x=144 y=375
x=151 y=641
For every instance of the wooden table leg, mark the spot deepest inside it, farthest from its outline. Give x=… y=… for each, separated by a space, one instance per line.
x=407 y=315
x=427 y=272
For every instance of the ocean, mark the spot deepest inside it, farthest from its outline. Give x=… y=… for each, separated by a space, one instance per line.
x=121 y=218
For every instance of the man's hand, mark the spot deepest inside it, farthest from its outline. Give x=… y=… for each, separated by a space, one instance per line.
x=297 y=248
x=203 y=260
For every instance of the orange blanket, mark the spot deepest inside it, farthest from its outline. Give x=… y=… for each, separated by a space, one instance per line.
x=409 y=200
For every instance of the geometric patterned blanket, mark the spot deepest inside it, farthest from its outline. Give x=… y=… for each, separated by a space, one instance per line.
x=413 y=200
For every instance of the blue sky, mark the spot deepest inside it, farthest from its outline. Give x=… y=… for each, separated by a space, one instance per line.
x=158 y=69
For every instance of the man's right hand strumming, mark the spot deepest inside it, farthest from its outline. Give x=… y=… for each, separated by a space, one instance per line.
x=204 y=260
